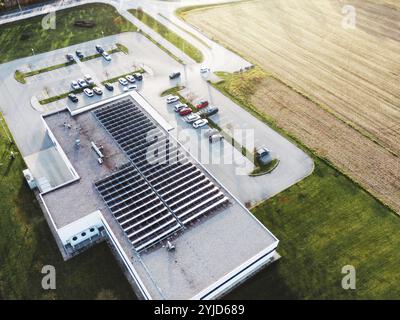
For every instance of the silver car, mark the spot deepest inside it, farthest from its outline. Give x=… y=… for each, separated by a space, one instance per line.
x=75 y=85
x=82 y=83
x=200 y=123
x=123 y=81
x=88 y=92
x=172 y=99
x=106 y=56
x=180 y=106
x=192 y=117
x=130 y=78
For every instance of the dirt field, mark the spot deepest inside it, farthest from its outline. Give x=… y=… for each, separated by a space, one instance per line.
x=355 y=74
x=378 y=171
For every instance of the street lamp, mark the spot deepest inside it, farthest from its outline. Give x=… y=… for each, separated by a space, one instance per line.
x=33 y=51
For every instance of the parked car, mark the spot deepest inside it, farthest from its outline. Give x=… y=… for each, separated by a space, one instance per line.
x=70 y=57
x=109 y=86
x=130 y=87
x=192 y=117
x=263 y=155
x=130 y=78
x=185 y=111
x=88 y=78
x=82 y=83
x=208 y=133
x=79 y=54
x=123 y=81
x=202 y=104
x=99 y=49
x=106 y=56
x=138 y=76
x=88 y=92
x=180 y=106
x=75 y=85
x=209 y=111
x=204 y=70
x=172 y=99
x=174 y=75
x=200 y=123
x=97 y=91
x=215 y=138
x=73 y=97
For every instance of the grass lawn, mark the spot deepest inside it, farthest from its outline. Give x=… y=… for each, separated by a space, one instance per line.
x=65 y=95
x=26 y=245
x=115 y=79
x=169 y=35
x=264 y=168
x=66 y=34
x=324 y=223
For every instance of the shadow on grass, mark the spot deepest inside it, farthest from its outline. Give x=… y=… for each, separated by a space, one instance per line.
x=265 y=285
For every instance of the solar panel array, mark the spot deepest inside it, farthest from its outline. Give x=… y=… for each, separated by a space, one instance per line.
x=160 y=190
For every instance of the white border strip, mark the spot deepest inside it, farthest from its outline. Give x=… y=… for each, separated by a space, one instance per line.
x=234 y=273
x=125 y=258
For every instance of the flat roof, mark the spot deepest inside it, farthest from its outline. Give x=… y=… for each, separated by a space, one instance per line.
x=75 y=200
x=207 y=250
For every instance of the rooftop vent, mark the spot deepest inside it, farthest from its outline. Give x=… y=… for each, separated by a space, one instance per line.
x=170 y=246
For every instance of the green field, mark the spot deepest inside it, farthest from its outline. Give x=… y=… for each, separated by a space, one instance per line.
x=26 y=245
x=14 y=46
x=169 y=35
x=324 y=223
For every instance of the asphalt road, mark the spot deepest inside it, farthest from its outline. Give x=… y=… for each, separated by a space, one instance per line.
x=24 y=119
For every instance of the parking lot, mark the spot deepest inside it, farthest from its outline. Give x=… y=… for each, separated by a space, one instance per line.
x=22 y=111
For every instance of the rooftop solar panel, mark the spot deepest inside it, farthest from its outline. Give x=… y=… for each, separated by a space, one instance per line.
x=161 y=190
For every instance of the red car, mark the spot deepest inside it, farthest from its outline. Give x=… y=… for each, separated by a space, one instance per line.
x=185 y=111
x=202 y=104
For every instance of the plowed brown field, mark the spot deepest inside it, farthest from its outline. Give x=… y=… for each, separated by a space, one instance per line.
x=353 y=73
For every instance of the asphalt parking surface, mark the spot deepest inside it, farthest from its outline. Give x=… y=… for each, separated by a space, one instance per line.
x=228 y=165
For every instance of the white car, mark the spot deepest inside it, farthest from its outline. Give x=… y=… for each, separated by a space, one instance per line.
x=89 y=79
x=180 y=106
x=172 y=99
x=216 y=138
x=209 y=132
x=106 y=56
x=88 y=92
x=130 y=78
x=192 y=117
x=204 y=70
x=97 y=91
x=200 y=123
x=130 y=87
x=75 y=85
x=123 y=81
x=82 y=83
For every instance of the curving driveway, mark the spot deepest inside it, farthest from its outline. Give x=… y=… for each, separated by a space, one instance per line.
x=25 y=123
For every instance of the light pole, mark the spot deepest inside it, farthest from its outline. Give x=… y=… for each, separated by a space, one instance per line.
x=33 y=51
x=185 y=73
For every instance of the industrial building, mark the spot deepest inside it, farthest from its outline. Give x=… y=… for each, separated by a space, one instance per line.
x=176 y=230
